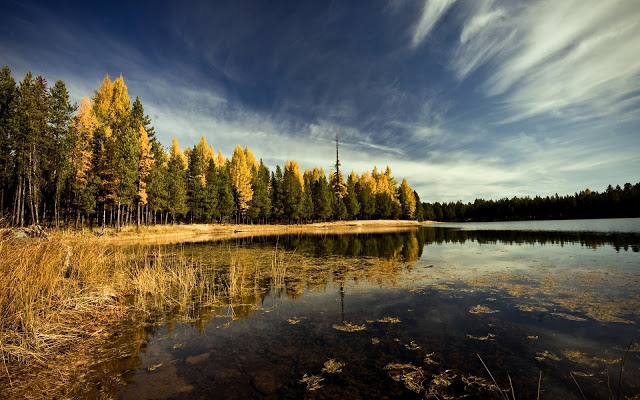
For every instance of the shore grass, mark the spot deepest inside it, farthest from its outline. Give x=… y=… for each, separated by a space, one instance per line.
x=57 y=295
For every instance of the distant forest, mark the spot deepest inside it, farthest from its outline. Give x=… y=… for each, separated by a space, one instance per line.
x=612 y=203
x=100 y=164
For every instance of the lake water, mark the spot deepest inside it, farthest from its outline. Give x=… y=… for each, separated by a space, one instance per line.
x=553 y=304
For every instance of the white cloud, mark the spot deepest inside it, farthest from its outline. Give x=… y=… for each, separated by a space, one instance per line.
x=431 y=13
x=574 y=58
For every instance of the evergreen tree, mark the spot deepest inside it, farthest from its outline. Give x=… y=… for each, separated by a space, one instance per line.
x=339 y=209
x=420 y=213
x=277 y=194
x=322 y=198
x=56 y=145
x=157 y=182
x=8 y=92
x=292 y=189
x=196 y=180
x=366 y=200
x=351 y=199
x=307 y=201
x=176 y=181
x=226 y=201
x=260 y=204
x=27 y=128
x=211 y=191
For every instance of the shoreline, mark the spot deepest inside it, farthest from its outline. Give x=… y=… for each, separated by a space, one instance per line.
x=168 y=234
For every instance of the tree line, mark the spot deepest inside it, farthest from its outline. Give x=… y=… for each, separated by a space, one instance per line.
x=101 y=164
x=612 y=203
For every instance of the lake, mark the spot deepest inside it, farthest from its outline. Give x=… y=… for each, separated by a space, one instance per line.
x=447 y=310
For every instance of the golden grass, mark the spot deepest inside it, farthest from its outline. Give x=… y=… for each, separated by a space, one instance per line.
x=57 y=297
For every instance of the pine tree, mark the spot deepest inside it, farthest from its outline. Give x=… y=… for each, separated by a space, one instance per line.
x=277 y=194
x=351 y=199
x=226 y=202
x=307 y=201
x=211 y=191
x=260 y=204
x=55 y=146
x=157 y=183
x=292 y=190
x=27 y=126
x=176 y=181
x=322 y=198
x=8 y=92
x=420 y=214
x=196 y=179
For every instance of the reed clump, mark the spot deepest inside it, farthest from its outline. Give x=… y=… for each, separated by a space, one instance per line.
x=60 y=293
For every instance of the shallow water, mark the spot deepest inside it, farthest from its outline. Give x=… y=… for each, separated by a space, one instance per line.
x=443 y=299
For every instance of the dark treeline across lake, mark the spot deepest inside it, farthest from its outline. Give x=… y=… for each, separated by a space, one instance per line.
x=614 y=202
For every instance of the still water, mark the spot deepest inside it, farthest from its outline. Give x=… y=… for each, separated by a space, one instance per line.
x=429 y=311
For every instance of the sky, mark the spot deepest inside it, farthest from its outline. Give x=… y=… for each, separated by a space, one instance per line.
x=465 y=99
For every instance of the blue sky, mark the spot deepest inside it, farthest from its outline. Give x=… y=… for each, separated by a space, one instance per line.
x=465 y=99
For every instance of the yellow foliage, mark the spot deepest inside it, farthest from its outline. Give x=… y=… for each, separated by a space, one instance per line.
x=85 y=123
x=241 y=179
x=144 y=164
x=409 y=199
x=176 y=152
x=251 y=159
x=295 y=168
x=220 y=160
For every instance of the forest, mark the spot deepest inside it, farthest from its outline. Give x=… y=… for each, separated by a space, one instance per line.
x=100 y=164
x=612 y=203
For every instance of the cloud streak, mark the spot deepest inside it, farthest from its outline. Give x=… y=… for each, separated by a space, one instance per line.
x=432 y=11
x=572 y=59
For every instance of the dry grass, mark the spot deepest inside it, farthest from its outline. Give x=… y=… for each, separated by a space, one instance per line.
x=60 y=295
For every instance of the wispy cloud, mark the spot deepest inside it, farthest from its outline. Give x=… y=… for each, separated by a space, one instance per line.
x=570 y=59
x=432 y=11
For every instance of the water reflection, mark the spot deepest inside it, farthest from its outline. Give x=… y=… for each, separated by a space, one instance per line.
x=432 y=298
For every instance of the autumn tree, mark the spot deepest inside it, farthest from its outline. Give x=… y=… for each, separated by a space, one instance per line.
x=145 y=163
x=82 y=182
x=407 y=200
x=241 y=179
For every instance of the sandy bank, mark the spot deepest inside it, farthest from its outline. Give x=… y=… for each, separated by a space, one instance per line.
x=206 y=232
